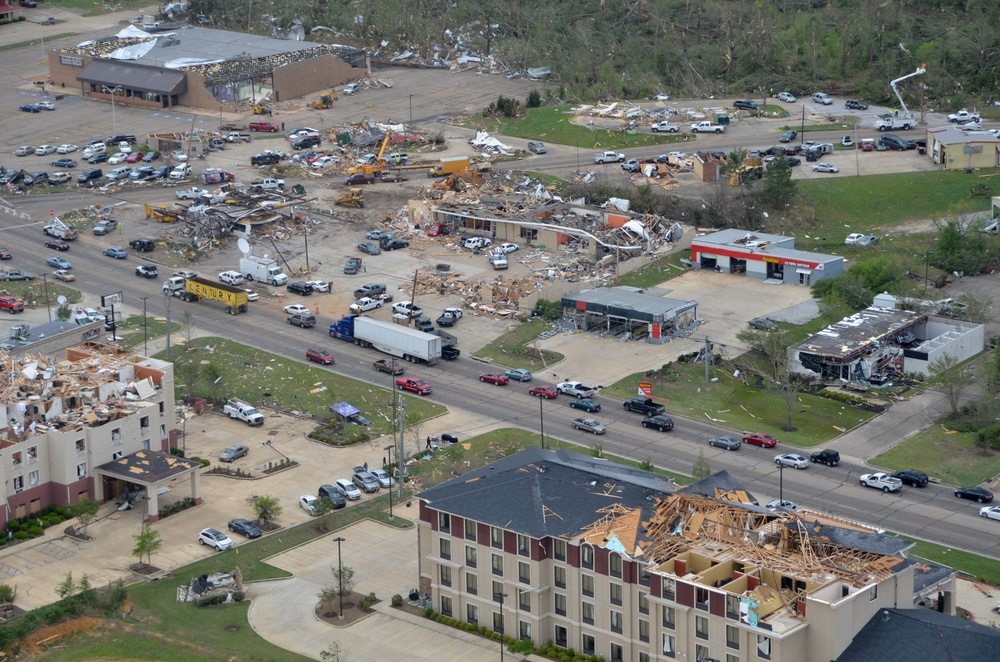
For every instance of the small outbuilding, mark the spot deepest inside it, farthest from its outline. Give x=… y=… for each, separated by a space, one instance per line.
x=958 y=149
x=630 y=312
x=767 y=257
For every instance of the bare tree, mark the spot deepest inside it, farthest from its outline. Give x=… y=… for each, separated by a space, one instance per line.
x=946 y=376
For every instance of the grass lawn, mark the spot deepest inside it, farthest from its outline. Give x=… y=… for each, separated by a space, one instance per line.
x=130 y=332
x=217 y=368
x=511 y=351
x=654 y=273
x=552 y=124
x=743 y=408
x=953 y=459
x=34 y=292
x=979 y=567
x=878 y=202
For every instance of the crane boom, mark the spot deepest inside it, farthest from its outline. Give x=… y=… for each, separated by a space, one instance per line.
x=922 y=69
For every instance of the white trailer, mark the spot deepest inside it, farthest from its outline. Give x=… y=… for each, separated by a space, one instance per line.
x=263 y=270
x=397 y=340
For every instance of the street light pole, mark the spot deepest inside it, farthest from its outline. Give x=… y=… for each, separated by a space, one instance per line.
x=411 y=111
x=541 y=420
x=389 y=448
x=48 y=305
x=499 y=598
x=111 y=91
x=781 y=484
x=340 y=575
x=145 y=328
x=167 y=297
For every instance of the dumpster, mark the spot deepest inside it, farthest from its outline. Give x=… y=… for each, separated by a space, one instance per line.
x=723 y=120
x=299 y=189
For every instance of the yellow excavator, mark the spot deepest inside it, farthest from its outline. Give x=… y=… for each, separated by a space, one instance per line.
x=325 y=101
x=352 y=197
x=260 y=108
x=161 y=213
x=457 y=181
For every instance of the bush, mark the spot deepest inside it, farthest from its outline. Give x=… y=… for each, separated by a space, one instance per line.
x=35 y=531
x=365 y=603
x=429 y=612
x=534 y=99
x=21 y=535
x=238 y=596
x=210 y=600
x=397 y=600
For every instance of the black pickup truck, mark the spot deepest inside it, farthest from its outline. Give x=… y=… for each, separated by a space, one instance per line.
x=644 y=406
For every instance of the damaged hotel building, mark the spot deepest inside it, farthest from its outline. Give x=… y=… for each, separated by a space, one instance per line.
x=92 y=424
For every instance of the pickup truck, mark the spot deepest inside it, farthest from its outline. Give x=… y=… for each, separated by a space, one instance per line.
x=237 y=137
x=669 y=127
x=963 y=116
x=576 y=389
x=881 y=481
x=413 y=384
x=589 y=424
x=644 y=406
x=261 y=125
x=268 y=184
x=707 y=127
x=104 y=227
x=391 y=367
x=243 y=411
x=190 y=193
x=16 y=274
x=265 y=158
x=608 y=157
x=11 y=304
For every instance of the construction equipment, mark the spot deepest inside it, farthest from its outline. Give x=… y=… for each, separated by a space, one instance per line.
x=260 y=109
x=377 y=166
x=457 y=181
x=325 y=101
x=352 y=197
x=922 y=69
x=161 y=213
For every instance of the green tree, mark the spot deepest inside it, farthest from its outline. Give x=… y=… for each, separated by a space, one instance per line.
x=778 y=189
x=6 y=593
x=63 y=313
x=327 y=596
x=960 y=251
x=772 y=345
x=344 y=580
x=702 y=468
x=66 y=587
x=147 y=541
x=212 y=374
x=946 y=375
x=267 y=508
x=85 y=511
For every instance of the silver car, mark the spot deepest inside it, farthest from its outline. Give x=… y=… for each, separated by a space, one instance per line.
x=234 y=452
x=791 y=460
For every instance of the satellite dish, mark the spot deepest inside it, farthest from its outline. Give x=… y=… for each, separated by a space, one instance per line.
x=61 y=299
x=244 y=246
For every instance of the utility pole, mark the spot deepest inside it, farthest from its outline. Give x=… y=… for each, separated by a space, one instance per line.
x=708 y=349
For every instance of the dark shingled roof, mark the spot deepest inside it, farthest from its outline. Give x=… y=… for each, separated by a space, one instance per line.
x=148 y=467
x=722 y=480
x=877 y=543
x=547 y=493
x=926 y=573
x=922 y=634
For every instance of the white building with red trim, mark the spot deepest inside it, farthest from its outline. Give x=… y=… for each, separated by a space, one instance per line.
x=768 y=257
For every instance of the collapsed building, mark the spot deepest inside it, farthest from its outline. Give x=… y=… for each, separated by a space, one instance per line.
x=98 y=423
x=616 y=562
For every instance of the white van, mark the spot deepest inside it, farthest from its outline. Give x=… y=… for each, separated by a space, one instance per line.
x=231 y=277
x=96 y=148
x=118 y=173
x=498 y=260
x=822 y=98
x=352 y=88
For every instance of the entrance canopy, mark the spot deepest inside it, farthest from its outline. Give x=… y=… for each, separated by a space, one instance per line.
x=135 y=77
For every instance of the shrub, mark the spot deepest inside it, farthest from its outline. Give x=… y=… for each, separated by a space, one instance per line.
x=238 y=596
x=397 y=600
x=365 y=603
x=21 y=535
x=35 y=531
x=535 y=100
x=210 y=600
x=429 y=612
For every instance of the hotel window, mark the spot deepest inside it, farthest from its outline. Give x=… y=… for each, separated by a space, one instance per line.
x=616 y=565
x=559 y=576
x=524 y=600
x=524 y=572
x=587 y=557
x=497 y=590
x=669 y=588
x=472 y=614
x=732 y=606
x=498 y=622
x=32 y=454
x=470 y=556
x=561 y=636
x=700 y=653
x=81 y=446
x=616 y=621
x=497 y=565
x=163 y=408
x=18 y=484
x=444 y=522
x=643 y=575
x=117 y=455
x=733 y=637
x=33 y=478
x=16 y=459
x=701 y=627
x=588 y=612
x=669 y=645
x=873 y=593
x=116 y=436
x=559 y=549
x=470 y=530
x=732 y=658
x=445 y=576
x=669 y=618
x=471 y=583
x=588 y=644
x=445 y=548
x=616 y=653
x=587 y=585
x=644 y=631
x=643 y=657
x=523 y=543
x=763 y=647
x=643 y=603
x=163 y=431
x=445 y=605
x=524 y=629
x=496 y=537
x=701 y=598
x=144 y=444
x=616 y=594
x=560 y=603
x=81 y=470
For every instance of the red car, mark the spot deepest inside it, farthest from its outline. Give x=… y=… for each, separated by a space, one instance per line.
x=412 y=384
x=319 y=356
x=437 y=229
x=57 y=245
x=135 y=157
x=760 y=439
x=543 y=391
x=5 y=254
x=495 y=378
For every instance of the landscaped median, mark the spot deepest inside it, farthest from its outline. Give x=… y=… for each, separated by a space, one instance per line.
x=514 y=349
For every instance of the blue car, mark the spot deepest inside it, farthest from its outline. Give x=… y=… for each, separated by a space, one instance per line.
x=116 y=252
x=30 y=108
x=59 y=263
x=520 y=375
x=64 y=163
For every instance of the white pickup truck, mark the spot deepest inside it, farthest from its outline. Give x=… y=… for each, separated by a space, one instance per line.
x=963 y=116
x=707 y=127
x=576 y=389
x=881 y=481
x=608 y=157
x=268 y=184
x=669 y=127
x=890 y=123
x=243 y=411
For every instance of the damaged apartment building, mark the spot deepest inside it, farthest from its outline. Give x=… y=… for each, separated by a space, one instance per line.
x=614 y=561
x=69 y=421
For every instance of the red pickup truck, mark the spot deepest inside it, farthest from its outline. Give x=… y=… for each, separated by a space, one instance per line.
x=413 y=384
x=269 y=127
x=11 y=305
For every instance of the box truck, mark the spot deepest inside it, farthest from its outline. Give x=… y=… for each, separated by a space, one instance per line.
x=262 y=269
x=396 y=340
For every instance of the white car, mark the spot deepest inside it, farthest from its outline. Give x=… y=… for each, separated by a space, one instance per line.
x=364 y=305
x=677 y=155
x=787 y=97
x=117 y=158
x=991 y=512
x=251 y=295
x=348 y=489
x=298 y=133
x=777 y=504
x=46 y=105
x=179 y=155
x=860 y=239
x=44 y=150
x=507 y=248
x=825 y=167
x=320 y=285
x=295 y=309
x=308 y=503
x=180 y=172
x=477 y=242
x=215 y=538
x=124 y=147
x=190 y=193
x=324 y=161
x=66 y=149
x=791 y=460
